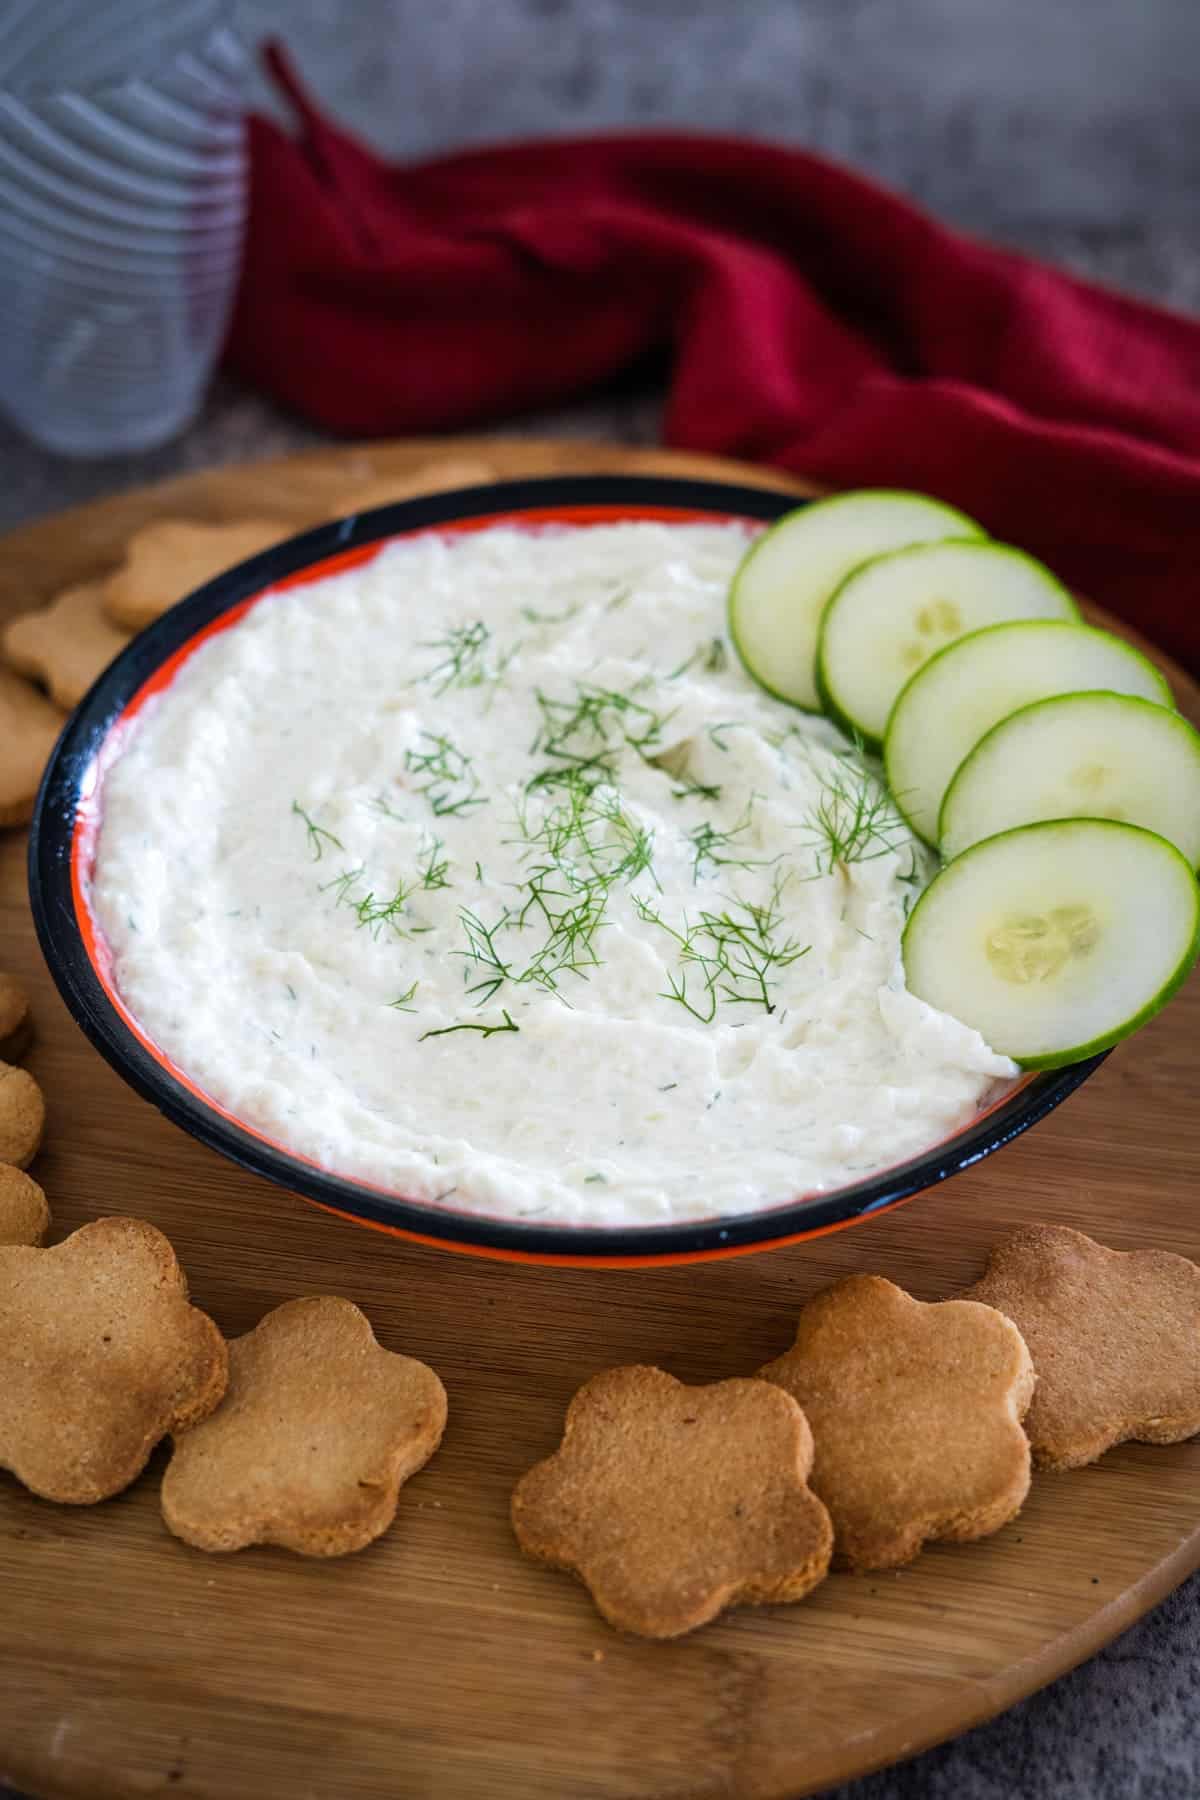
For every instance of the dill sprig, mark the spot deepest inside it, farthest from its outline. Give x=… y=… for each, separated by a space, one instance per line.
x=377 y=914
x=316 y=834
x=482 y=951
x=587 y=733
x=712 y=658
x=464 y=662
x=401 y=1002
x=341 y=884
x=485 y=1031
x=434 y=871
x=728 y=956
x=854 y=821
x=715 y=849
x=374 y=912
x=575 y=852
x=451 y=784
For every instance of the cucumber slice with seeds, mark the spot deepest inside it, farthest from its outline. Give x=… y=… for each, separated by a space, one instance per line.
x=941 y=714
x=1055 y=940
x=893 y=613
x=780 y=588
x=1106 y=756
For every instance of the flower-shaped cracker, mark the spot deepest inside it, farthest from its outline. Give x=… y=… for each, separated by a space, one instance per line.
x=916 y=1416
x=169 y=557
x=673 y=1502
x=24 y=1214
x=22 y=1116
x=29 y=727
x=100 y=1357
x=318 y=1432
x=16 y=1021
x=66 y=645
x=1114 y=1336
x=431 y=478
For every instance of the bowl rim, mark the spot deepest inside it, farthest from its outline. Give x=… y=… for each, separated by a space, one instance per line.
x=55 y=898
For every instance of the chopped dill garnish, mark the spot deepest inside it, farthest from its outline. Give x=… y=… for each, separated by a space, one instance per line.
x=380 y=805
x=486 y=1031
x=854 y=821
x=481 y=950
x=717 y=849
x=727 y=956
x=590 y=1178
x=341 y=884
x=451 y=785
x=465 y=661
x=433 y=871
x=375 y=913
x=687 y=663
x=372 y=911
x=587 y=733
x=712 y=658
x=317 y=835
x=576 y=853
x=534 y=617
x=574 y=850
x=479 y=872
x=714 y=731
x=669 y=1087
x=291 y=990
x=401 y=1002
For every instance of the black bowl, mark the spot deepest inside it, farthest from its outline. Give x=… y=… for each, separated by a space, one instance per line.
x=57 y=866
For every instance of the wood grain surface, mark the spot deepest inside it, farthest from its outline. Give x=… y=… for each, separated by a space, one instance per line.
x=438 y=1662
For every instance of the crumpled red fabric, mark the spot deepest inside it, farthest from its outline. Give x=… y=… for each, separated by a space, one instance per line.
x=809 y=318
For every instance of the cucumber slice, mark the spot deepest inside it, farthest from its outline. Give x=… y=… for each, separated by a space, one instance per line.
x=1106 y=756
x=780 y=588
x=941 y=714
x=1055 y=940
x=891 y=614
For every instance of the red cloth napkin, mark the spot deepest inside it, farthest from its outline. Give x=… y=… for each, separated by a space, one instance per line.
x=812 y=320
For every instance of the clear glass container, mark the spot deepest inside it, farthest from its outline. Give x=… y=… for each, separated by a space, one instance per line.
x=122 y=207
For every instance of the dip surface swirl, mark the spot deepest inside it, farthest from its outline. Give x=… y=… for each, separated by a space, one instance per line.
x=484 y=873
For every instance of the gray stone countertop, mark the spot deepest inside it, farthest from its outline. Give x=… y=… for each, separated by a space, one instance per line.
x=1065 y=130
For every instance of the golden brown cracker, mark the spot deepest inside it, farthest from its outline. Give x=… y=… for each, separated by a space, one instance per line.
x=101 y=1355
x=431 y=478
x=167 y=559
x=16 y=1020
x=29 y=728
x=916 y=1416
x=66 y=645
x=24 y=1213
x=22 y=1116
x=1114 y=1336
x=672 y=1503
x=319 y=1430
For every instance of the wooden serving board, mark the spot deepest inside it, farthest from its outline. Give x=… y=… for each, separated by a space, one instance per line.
x=438 y=1662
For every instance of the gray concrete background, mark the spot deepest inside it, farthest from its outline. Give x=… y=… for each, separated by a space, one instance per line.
x=1068 y=128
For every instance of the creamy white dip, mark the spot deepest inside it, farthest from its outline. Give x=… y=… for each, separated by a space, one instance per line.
x=518 y=780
